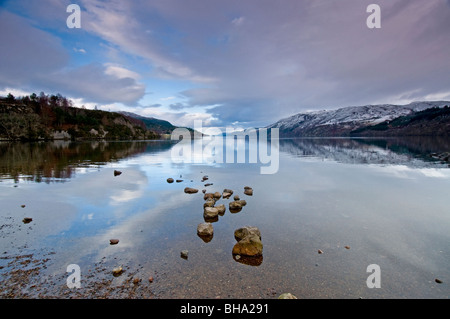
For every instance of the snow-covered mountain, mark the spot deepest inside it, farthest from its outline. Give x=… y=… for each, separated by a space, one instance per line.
x=341 y=122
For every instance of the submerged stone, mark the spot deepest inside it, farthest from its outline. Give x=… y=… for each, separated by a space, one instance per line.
x=190 y=190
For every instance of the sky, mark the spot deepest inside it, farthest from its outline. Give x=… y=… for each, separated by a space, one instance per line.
x=226 y=62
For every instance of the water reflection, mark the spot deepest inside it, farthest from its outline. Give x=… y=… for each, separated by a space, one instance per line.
x=393 y=215
x=248 y=260
x=58 y=161
x=410 y=151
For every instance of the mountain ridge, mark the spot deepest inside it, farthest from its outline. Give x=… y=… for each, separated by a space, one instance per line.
x=347 y=121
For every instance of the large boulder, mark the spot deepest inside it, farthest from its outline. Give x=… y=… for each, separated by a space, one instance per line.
x=249 y=242
x=205 y=229
x=249 y=246
x=210 y=212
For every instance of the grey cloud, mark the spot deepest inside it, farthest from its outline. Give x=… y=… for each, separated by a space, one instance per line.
x=91 y=83
x=36 y=61
x=26 y=52
x=285 y=57
x=177 y=106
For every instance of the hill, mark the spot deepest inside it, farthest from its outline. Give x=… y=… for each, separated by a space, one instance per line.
x=53 y=117
x=430 y=122
x=354 y=120
x=151 y=123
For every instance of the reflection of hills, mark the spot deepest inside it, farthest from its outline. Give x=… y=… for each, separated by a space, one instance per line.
x=58 y=160
x=414 y=151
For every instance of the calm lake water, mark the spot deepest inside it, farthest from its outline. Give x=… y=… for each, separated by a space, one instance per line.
x=359 y=201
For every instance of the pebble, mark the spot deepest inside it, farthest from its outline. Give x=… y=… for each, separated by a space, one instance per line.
x=190 y=190
x=150 y=279
x=116 y=173
x=287 y=295
x=117 y=271
x=184 y=254
x=113 y=241
x=438 y=281
x=320 y=252
x=27 y=220
x=347 y=247
x=170 y=180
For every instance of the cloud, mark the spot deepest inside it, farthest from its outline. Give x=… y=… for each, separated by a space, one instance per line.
x=249 y=61
x=80 y=50
x=154 y=105
x=177 y=106
x=238 y=21
x=95 y=82
x=120 y=72
x=167 y=98
x=34 y=60
x=27 y=52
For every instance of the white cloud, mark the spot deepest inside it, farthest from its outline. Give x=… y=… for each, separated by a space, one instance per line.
x=120 y=72
x=238 y=21
x=167 y=98
x=80 y=50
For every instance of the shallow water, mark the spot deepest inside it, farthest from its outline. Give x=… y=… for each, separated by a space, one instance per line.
x=386 y=200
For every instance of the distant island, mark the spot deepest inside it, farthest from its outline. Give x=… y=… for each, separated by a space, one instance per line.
x=53 y=117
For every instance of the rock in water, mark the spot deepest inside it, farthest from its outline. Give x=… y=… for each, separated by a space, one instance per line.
x=217 y=195
x=249 y=242
x=249 y=246
x=117 y=173
x=210 y=212
x=117 y=271
x=113 y=241
x=248 y=191
x=242 y=202
x=184 y=254
x=235 y=205
x=221 y=209
x=189 y=190
x=208 y=196
x=27 y=220
x=209 y=203
x=170 y=180
x=205 y=229
x=227 y=190
x=243 y=232
x=287 y=295
x=226 y=195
